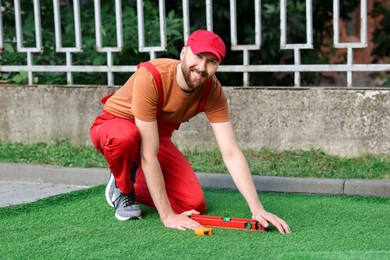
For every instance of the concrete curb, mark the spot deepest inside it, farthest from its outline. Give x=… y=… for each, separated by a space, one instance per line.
x=96 y=176
x=303 y=185
x=52 y=174
x=278 y=184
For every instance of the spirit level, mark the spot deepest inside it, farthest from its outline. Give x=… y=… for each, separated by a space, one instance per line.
x=226 y=222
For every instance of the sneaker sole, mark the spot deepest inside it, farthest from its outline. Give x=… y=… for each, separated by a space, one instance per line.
x=109 y=191
x=131 y=218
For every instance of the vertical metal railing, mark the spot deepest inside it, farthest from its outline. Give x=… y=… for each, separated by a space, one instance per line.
x=186 y=17
x=119 y=37
x=1 y=31
x=141 y=29
x=19 y=35
x=350 y=45
x=58 y=33
x=297 y=47
x=234 y=39
x=245 y=67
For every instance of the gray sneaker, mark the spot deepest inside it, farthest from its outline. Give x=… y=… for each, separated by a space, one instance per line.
x=126 y=207
x=112 y=192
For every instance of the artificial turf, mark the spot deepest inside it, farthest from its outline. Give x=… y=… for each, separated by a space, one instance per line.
x=81 y=225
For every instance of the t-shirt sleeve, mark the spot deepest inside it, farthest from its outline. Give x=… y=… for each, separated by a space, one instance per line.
x=145 y=96
x=217 y=110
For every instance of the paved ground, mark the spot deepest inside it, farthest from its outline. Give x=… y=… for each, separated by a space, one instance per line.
x=12 y=193
x=23 y=183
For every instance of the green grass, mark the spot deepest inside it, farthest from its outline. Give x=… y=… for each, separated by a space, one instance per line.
x=80 y=225
x=59 y=153
x=312 y=163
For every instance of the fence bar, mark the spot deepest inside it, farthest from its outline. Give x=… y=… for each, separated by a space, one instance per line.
x=29 y=66
x=309 y=24
x=119 y=25
x=209 y=15
x=57 y=24
x=163 y=38
x=349 y=62
x=1 y=30
x=98 y=24
x=283 y=24
x=363 y=26
x=186 y=20
x=110 y=75
x=336 y=23
x=297 y=61
x=69 y=75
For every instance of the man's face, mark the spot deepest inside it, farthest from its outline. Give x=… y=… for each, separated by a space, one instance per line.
x=197 y=68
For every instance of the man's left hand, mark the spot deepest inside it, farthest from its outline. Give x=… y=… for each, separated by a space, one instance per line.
x=265 y=217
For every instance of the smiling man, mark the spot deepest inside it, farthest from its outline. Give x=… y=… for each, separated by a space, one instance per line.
x=134 y=135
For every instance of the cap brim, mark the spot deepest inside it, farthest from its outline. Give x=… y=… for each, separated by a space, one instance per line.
x=196 y=49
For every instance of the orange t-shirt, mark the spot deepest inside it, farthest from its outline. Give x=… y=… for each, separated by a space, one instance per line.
x=138 y=97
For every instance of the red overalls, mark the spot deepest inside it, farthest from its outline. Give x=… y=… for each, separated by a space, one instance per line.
x=118 y=140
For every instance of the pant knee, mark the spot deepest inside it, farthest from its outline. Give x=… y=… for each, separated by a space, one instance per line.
x=197 y=203
x=121 y=145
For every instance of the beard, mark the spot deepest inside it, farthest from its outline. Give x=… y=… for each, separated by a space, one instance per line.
x=193 y=83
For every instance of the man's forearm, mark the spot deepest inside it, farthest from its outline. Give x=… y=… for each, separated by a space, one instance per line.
x=239 y=170
x=156 y=185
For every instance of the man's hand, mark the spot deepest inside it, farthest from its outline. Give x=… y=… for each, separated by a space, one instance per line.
x=265 y=217
x=181 y=221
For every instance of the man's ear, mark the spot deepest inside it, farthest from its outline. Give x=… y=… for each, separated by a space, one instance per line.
x=182 y=53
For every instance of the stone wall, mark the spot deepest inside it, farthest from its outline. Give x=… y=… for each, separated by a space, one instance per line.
x=345 y=122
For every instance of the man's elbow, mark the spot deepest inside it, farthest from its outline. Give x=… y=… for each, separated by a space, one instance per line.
x=148 y=157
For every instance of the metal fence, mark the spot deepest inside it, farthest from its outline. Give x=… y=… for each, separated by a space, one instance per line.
x=245 y=68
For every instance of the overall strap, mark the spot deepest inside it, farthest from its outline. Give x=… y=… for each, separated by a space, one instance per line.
x=157 y=78
x=203 y=99
x=104 y=100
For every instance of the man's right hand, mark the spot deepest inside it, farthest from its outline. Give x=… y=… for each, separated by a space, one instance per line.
x=181 y=221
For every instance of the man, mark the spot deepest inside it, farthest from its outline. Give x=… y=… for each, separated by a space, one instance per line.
x=135 y=129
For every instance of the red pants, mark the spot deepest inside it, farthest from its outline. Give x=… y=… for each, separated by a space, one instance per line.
x=118 y=140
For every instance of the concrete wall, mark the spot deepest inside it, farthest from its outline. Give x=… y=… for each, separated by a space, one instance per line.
x=346 y=122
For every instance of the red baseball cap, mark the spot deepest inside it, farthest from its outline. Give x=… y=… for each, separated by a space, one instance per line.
x=206 y=41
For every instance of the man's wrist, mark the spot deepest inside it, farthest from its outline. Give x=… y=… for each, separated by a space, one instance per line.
x=257 y=210
x=166 y=215
x=165 y=210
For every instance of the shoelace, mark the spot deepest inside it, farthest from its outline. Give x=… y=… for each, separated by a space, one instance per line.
x=128 y=199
